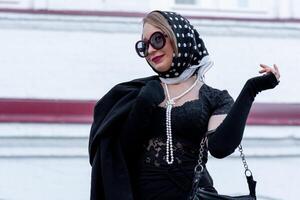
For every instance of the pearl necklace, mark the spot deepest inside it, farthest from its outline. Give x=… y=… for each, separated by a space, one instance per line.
x=169 y=104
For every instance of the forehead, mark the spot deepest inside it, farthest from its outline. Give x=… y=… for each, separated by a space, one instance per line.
x=148 y=30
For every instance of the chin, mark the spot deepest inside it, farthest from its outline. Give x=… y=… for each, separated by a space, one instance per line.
x=161 y=67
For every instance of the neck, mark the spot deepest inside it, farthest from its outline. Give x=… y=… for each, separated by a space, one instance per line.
x=184 y=76
x=185 y=83
x=180 y=89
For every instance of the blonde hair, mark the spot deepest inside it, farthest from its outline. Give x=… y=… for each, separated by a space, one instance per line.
x=159 y=21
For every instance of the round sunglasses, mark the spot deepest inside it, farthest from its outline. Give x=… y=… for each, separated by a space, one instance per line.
x=157 y=41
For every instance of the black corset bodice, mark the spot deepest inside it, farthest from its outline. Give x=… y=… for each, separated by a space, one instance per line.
x=189 y=125
x=155 y=178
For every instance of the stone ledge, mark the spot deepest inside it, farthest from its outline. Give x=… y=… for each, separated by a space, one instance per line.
x=131 y=23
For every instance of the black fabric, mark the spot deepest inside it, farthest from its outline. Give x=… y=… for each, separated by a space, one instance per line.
x=109 y=170
x=205 y=195
x=158 y=180
x=200 y=192
x=191 y=48
x=189 y=125
x=160 y=183
x=251 y=185
x=225 y=139
x=122 y=120
x=138 y=120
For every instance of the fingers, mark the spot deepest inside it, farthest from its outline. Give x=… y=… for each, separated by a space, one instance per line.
x=276 y=69
x=267 y=69
x=262 y=70
x=277 y=73
x=263 y=65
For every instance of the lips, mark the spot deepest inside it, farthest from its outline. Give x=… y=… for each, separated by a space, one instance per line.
x=157 y=59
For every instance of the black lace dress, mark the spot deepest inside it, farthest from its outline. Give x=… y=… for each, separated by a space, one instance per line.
x=156 y=179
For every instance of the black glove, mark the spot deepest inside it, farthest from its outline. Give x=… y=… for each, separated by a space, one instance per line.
x=225 y=139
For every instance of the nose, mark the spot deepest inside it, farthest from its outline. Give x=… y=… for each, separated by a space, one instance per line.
x=151 y=49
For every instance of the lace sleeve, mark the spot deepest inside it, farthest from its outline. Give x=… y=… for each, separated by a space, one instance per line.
x=223 y=103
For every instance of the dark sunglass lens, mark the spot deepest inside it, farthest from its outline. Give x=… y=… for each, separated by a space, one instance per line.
x=141 y=48
x=157 y=40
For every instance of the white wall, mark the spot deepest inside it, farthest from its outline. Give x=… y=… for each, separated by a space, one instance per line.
x=68 y=57
x=50 y=161
x=230 y=8
x=16 y=4
x=295 y=6
x=83 y=58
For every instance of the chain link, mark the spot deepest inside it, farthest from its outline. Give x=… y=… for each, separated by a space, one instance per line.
x=242 y=155
x=201 y=150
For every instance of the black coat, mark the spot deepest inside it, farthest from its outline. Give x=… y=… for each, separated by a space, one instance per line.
x=110 y=143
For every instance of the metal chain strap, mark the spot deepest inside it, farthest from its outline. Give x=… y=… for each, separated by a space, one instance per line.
x=242 y=155
x=201 y=150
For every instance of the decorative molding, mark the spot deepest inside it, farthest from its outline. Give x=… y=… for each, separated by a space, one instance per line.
x=140 y=15
x=46 y=111
x=81 y=111
x=9 y=2
x=274 y=114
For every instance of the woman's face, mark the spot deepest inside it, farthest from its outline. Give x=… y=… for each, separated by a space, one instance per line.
x=161 y=59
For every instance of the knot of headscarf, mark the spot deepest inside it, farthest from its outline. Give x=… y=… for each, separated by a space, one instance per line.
x=192 y=54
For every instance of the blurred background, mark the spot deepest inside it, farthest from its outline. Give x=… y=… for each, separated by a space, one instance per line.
x=57 y=58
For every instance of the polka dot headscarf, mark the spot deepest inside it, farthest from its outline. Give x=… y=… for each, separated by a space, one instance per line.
x=191 y=48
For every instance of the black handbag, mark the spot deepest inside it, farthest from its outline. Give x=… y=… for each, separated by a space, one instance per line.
x=200 y=193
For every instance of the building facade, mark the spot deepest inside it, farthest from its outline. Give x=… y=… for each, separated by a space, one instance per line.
x=59 y=57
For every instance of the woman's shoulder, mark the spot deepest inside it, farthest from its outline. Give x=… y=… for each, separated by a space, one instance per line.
x=213 y=92
x=216 y=95
x=220 y=100
x=127 y=88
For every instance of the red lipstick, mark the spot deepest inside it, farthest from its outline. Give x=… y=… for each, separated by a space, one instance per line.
x=157 y=59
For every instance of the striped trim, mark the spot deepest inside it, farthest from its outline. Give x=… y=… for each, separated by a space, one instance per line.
x=140 y=15
x=274 y=114
x=81 y=111
x=46 y=111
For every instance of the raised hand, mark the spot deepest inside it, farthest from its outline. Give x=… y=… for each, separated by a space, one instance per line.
x=267 y=69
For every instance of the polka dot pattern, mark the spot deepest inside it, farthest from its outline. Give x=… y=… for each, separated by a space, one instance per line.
x=191 y=48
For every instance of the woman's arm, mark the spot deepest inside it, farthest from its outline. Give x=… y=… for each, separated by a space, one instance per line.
x=138 y=120
x=229 y=128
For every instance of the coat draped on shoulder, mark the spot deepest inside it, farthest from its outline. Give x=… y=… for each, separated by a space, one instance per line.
x=109 y=177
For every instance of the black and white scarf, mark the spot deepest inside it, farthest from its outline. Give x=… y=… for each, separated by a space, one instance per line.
x=192 y=55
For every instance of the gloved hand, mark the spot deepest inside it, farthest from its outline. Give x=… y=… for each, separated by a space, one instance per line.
x=260 y=83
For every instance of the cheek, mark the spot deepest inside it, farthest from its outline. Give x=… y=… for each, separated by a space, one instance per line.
x=169 y=56
x=169 y=51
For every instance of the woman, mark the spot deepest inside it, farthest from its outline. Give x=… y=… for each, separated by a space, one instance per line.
x=146 y=133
